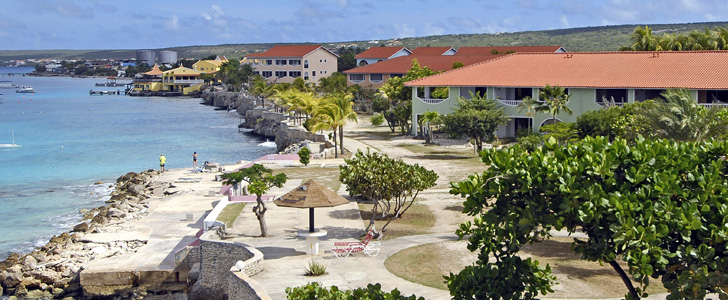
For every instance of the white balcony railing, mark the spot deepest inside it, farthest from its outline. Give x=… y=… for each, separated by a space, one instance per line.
x=510 y=102
x=432 y=101
x=719 y=105
x=190 y=81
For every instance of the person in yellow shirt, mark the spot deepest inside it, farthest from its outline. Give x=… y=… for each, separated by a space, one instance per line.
x=162 y=161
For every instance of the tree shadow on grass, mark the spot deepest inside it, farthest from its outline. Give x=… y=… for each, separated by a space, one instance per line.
x=458 y=208
x=348 y=214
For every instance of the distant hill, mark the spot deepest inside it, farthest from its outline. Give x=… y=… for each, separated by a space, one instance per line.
x=598 y=38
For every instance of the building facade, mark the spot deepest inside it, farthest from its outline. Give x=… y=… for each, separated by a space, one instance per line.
x=283 y=64
x=591 y=79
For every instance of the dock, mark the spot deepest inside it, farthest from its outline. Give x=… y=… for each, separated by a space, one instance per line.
x=116 y=92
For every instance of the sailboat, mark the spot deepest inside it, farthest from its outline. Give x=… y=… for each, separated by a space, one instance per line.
x=13 y=145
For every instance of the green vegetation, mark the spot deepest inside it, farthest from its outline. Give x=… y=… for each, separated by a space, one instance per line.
x=260 y=180
x=658 y=205
x=230 y=213
x=391 y=184
x=395 y=100
x=418 y=220
x=304 y=156
x=377 y=119
x=314 y=290
x=554 y=100
x=678 y=116
x=477 y=118
x=315 y=269
x=707 y=39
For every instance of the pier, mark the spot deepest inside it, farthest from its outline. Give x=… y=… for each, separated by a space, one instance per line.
x=117 y=92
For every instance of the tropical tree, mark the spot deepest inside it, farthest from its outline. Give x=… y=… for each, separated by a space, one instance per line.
x=400 y=97
x=334 y=83
x=554 y=100
x=657 y=205
x=332 y=114
x=529 y=105
x=642 y=39
x=260 y=180
x=430 y=118
x=391 y=184
x=477 y=118
x=678 y=116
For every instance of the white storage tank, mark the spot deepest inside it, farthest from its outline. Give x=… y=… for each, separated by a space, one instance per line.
x=166 y=57
x=146 y=56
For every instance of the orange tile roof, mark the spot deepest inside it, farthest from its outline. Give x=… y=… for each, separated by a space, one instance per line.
x=288 y=51
x=654 y=70
x=504 y=49
x=155 y=71
x=402 y=64
x=380 y=52
x=431 y=50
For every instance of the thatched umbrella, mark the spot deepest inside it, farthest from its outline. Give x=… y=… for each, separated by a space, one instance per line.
x=309 y=195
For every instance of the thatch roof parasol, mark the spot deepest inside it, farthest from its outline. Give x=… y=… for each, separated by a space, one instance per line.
x=309 y=195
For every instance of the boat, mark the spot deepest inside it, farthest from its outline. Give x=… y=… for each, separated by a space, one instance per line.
x=7 y=84
x=111 y=82
x=25 y=89
x=13 y=145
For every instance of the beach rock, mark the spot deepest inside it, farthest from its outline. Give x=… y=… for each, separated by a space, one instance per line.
x=11 y=277
x=46 y=276
x=115 y=213
x=20 y=291
x=38 y=294
x=57 y=292
x=29 y=263
x=98 y=183
x=81 y=227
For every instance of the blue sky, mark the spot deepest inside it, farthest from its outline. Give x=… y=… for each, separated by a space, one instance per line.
x=135 y=24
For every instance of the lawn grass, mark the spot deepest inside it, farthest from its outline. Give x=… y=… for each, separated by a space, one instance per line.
x=418 y=219
x=230 y=213
x=423 y=265
x=327 y=176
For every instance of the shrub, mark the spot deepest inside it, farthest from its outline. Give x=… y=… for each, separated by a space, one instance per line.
x=530 y=142
x=314 y=290
x=304 y=156
x=315 y=269
x=377 y=119
x=563 y=132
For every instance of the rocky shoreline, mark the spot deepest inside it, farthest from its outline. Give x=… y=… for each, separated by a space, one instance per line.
x=52 y=271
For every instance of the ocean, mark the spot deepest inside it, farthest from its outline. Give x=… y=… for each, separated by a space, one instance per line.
x=70 y=140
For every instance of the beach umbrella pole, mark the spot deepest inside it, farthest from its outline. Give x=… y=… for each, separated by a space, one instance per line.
x=310 y=219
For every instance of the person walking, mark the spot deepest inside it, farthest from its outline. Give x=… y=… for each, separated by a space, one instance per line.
x=162 y=161
x=194 y=160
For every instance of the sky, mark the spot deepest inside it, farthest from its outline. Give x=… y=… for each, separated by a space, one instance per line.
x=153 y=24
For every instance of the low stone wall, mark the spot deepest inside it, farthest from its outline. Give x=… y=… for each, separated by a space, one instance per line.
x=271 y=124
x=224 y=270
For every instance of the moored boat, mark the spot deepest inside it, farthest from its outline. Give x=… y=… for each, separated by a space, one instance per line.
x=25 y=89
x=7 y=84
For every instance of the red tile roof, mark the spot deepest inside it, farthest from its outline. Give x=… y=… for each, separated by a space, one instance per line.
x=431 y=50
x=654 y=70
x=288 y=51
x=402 y=64
x=504 y=49
x=379 y=52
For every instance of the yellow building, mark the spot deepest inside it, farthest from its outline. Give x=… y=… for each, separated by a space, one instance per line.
x=179 y=80
x=209 y=66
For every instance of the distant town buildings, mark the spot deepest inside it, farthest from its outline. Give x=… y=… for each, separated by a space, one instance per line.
x=209 y=65
x=286 y=63
x=162 y=57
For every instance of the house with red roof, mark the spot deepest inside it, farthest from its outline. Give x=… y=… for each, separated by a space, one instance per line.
x=435 y=58
x=286 y=63
x=590 y=78
x=376 y=54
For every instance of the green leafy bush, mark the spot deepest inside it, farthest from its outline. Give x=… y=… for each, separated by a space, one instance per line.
x=314 y=290
x=563 y=132
x=304 y=156
x=530 y=142
x=377 y=119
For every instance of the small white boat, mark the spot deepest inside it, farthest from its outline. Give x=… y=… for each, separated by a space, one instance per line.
x=25 y=89
x=6 y=84
x=13 y=145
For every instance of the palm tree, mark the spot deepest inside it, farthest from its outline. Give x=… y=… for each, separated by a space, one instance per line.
x=430 y=118
x=678 y=116
x=345 y=105
x=261 y=88
x=554 y=100
x=642 y=39
x=529 y=105
x=327 y=117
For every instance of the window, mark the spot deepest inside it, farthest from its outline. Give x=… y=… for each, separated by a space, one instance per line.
x=712 y=96
x=305 y=64
x=281 y=62
x=356 y=77
x=618 y=96
x=294 y=74
x=280 y=74
x=363 y=63
x=267 y=74
x=305 y=76
x=321 y=60
x=269 y=62
x=375 y=78
x=395 y=75
x=642 y=95
x=294 y=62
x=313 y=73
x=256 y=72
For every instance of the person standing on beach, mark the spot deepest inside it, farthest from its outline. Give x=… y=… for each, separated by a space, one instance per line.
x=194 y=160
x=162 y=161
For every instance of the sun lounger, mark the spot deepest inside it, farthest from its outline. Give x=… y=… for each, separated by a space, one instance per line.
x=344 y=249
x=189 y=179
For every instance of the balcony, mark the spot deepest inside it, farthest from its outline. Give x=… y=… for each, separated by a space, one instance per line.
x=510 y=102
x=187 y=81
x=718 y=105
x=431 y=100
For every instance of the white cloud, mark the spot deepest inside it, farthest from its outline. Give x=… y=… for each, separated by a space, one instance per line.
x=564 y=20
x=692 y=5
x=403 y=30
x=172 y=22
x=431 y=29
x=711 y=17
x=216 y=16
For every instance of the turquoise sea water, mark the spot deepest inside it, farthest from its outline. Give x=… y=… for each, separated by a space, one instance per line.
x=70 y=140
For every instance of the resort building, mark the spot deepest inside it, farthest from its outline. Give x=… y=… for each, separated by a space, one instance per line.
x=590 y=79
x=376 y=54
x=179 y=80
x=286 y=63
x=374 y=75
x=209 y=65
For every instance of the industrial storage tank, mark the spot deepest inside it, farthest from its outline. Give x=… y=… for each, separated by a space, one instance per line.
x=146 y=56
x=166 y=57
